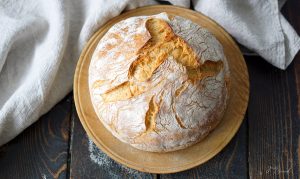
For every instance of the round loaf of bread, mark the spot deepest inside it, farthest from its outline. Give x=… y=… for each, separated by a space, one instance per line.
x=159 y=83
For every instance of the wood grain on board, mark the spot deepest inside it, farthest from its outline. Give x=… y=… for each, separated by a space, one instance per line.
x=274 y=126
x=41 y=151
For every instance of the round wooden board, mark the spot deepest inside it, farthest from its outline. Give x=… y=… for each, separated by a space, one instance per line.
x=172 y=161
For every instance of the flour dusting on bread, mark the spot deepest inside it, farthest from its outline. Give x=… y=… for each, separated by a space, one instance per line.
x=159 y=83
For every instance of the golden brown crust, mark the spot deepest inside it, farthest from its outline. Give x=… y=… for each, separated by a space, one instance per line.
x=154 y=87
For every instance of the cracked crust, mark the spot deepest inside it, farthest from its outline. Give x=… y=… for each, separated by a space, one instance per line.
x=159 y=84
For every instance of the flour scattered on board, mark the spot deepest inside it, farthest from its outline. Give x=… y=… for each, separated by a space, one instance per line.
x=98 y=156
x=114 y=169
x=44 y=176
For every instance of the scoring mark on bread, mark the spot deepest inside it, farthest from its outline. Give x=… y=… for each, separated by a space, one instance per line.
x=123 y=91
x=151 y=115
x=98 y=83
x=181 y=89
x=163 y=43
x=207 y=69
x=179 y=121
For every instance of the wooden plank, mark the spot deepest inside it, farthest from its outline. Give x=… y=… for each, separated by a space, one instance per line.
x=291 y=12
x=274 y=126
x=293 y=17
x=88 y=161
x=231 y=162
x=41 y=151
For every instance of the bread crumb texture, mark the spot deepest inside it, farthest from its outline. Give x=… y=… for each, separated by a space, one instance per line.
x=159 y=84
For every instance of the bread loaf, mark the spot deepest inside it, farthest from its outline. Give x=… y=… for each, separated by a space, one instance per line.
x=158 y=83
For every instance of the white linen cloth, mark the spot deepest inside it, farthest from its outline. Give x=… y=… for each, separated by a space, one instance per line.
x=41 y=40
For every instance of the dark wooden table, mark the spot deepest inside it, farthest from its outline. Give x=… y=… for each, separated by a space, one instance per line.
x=266 y=146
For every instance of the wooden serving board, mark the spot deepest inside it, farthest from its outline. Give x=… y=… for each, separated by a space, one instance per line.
x=172 y=161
